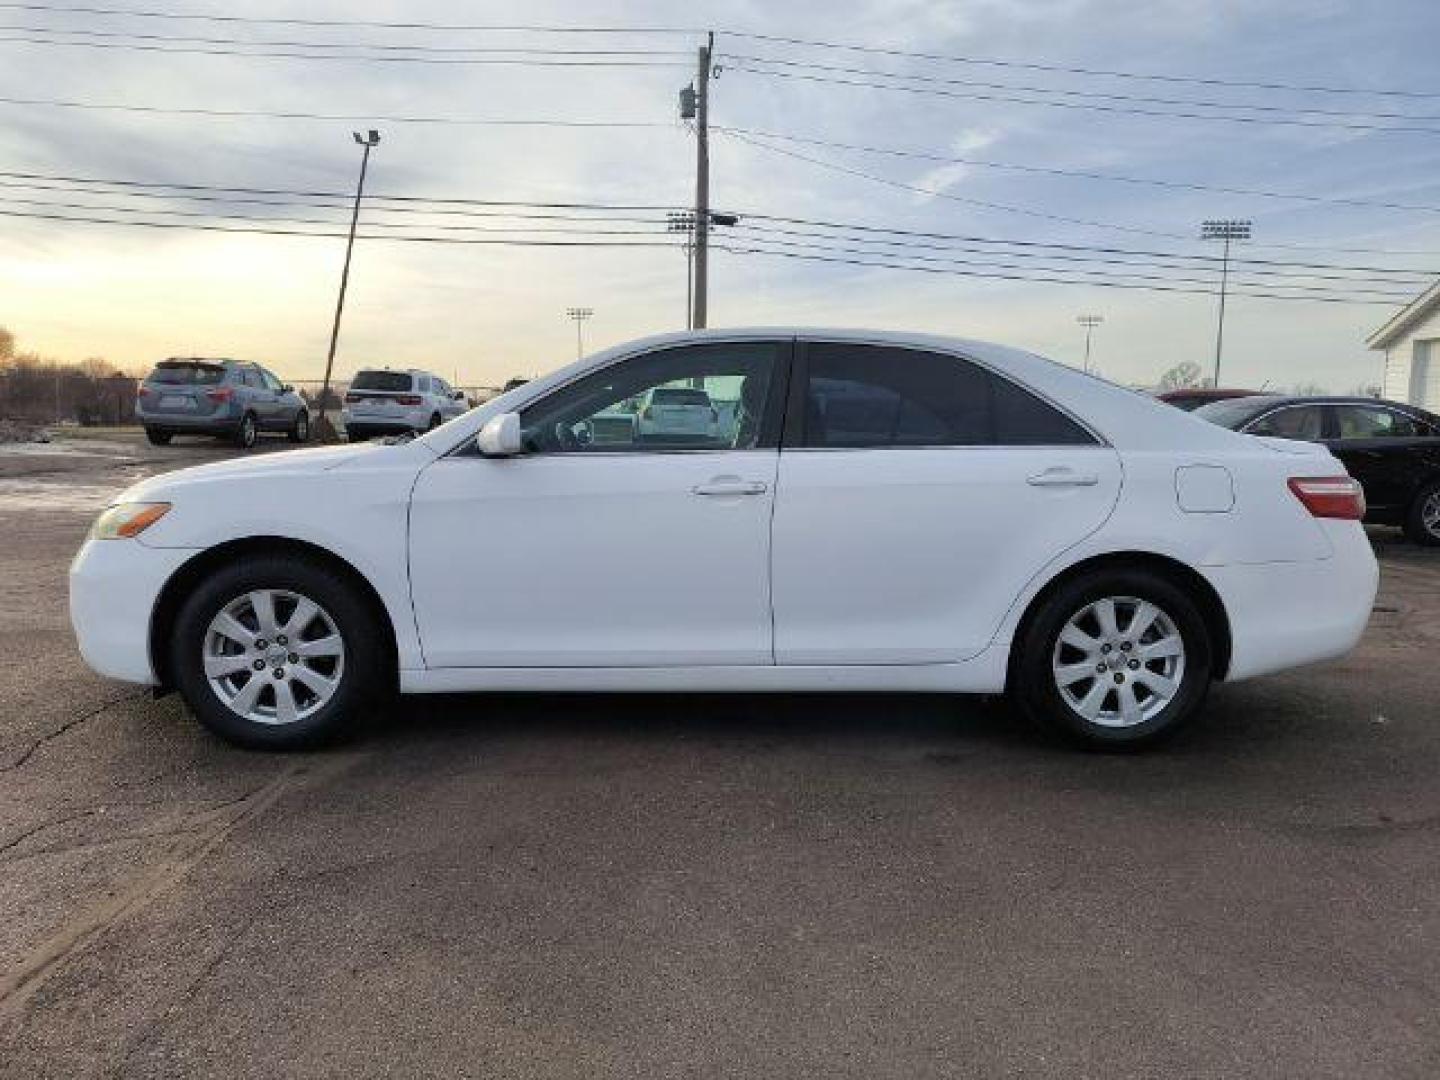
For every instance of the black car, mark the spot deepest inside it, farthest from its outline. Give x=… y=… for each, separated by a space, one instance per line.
x=1392 y=449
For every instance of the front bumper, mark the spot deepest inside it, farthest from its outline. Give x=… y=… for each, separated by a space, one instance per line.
x=114 y=585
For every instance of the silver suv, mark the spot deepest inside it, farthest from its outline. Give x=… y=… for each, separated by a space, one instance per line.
x=385 y=402
x=234 y=400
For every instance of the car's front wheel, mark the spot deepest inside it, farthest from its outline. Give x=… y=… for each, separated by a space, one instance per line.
x=1115 y=659
x=1422 y=524
x=277 y=653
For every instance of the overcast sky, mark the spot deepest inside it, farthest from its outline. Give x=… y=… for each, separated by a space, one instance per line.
x=487 y=312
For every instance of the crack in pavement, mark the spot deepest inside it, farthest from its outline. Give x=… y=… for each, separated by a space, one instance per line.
x=17 y=985
x=30 y=751
x=18 y=840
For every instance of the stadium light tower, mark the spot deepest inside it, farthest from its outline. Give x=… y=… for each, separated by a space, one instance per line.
x=579 y=314
x=1089 y=322
x=1226 y=231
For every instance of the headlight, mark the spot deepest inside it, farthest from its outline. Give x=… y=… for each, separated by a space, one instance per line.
x=127 y=520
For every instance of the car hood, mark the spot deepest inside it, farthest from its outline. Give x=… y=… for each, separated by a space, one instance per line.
x=276 y=466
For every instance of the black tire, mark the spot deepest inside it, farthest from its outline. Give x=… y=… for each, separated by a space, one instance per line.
x=247 y=432
x=159 y=436
x=361 y=676
x=1415 y=527
x=300 y=430
x=434 y=422
x=1034 y=680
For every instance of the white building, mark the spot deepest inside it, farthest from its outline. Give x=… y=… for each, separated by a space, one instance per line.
x=1411 y=342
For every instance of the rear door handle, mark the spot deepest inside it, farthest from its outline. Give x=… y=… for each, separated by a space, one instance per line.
x=1062 y=477
x=726 y=485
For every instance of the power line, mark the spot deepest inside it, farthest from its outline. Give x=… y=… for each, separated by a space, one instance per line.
x=450 y=205
x=665 y=30
x=1080 y=173
x=1109 y=73
x=736 y=249
x=456 y=50
x=1092 y=94
x=1084 y=106
x=540 y=28
x=283 y=55
x=347 y=118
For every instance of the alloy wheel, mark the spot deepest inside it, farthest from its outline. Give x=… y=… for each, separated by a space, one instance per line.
x=274 y=656
x=1430 y=514
x=1119 y=661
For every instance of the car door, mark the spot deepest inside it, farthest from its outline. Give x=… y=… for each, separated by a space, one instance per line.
x=1383 y=448
x=918 y=494
x=599 y=546
x=282 y=407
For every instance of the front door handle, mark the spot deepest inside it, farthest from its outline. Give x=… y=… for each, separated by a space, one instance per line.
x=731 y=485
x=1062 y=477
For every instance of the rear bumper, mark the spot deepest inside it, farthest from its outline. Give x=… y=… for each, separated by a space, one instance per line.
x=1283 y=615
x=113 y=588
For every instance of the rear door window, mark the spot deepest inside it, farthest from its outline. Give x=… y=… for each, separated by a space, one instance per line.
x=860 y=396
x=1294 y=422
x=186 y=373
x=390 y=382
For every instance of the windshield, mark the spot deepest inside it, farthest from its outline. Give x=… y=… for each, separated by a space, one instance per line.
x=390 y=381
x=1233 y=412
x=186 y=373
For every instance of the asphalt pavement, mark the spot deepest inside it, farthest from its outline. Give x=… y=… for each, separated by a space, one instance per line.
x=709 y=886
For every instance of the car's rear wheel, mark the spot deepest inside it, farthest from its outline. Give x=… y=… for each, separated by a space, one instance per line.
x=300 y=429
x=434 y=422
x=1422 y=523
x=247 y=432
x=277 y=653
x=1115 y=659
x=159 y=436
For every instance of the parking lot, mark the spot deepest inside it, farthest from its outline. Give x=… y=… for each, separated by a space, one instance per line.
x=708 y=886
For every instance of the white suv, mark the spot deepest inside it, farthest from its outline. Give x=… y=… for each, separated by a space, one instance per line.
x=385 y=402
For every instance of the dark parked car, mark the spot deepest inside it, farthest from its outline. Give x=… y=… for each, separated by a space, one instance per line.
x=1192 y=397
x=193 y=396
x=1392 y=449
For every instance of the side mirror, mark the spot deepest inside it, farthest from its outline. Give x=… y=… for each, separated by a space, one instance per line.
x=500 y=437
x=459 y=395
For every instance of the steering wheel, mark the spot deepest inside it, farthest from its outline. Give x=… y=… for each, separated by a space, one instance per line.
x=576 y=437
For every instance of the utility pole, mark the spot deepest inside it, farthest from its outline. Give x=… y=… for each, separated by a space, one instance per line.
x=702 y=184
x=1089 y=322
x=369 y=142
x=1226 y=231
x=579 y=314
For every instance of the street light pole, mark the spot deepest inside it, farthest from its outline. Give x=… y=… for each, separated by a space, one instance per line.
x=1089 y=322
x=579 y=314
x=1225 y=231
x=369 y=141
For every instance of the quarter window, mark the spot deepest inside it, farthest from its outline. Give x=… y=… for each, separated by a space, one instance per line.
x=860 y=396
x=1371 y=422
x=694 y=397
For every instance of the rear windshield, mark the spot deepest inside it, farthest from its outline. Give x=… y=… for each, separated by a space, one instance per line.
x=1234 y=412
x=186 y=373
x=390 y=381
x=673 y=396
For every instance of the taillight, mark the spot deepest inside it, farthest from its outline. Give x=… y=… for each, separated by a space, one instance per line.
x=408 y=399
x=351 y=399
x=1339 y=497
x=142 y=391
x=223 y=393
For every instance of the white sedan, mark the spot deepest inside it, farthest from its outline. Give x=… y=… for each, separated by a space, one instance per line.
x=878 y=512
